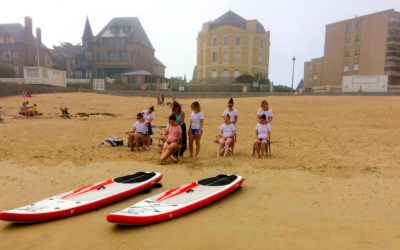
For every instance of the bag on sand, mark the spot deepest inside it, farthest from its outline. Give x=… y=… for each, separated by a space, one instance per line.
x=114 y=141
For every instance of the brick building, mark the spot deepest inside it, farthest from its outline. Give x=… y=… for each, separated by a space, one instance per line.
x=19 y=47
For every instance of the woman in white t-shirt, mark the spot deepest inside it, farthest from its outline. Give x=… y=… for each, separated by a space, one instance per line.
x=264 y=110
x=227 y=134
x=138 y=134
x=148 y=116
x=233 y=113
x=195 y=128
x=263 y=135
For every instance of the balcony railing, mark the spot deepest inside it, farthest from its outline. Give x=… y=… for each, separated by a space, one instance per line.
x=394 y=25
x=393 y=38
x=393 y=53
x=392 y=68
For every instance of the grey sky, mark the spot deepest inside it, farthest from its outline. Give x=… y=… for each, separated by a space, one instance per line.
x=297 y=27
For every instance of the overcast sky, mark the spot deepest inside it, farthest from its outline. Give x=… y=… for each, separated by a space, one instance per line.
x=297 y=26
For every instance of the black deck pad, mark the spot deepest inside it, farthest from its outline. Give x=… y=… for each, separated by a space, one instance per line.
x=135 y=178
x=219 y=180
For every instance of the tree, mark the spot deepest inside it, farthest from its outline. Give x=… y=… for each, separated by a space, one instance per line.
x=245 y=78
x=177 y=79
x=60 y=52
x=282 y=88
x=6 y=71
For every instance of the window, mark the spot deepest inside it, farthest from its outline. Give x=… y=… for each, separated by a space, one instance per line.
x=358 y=24
x=348 y=27
x=358 y=39
x=214 y=73
x=237 y=56
x=356 y=67
x=260 y=58
x=123 y=55
x=357 y=53
x=100 y=56
x=134 y=57
x=261 y=43
x=226 y=57
x=214 y=41
x=111 y=43
x=226 y=41
x=315 y=77
x=347 y=54
x=225 y=73
x=111 y=55
x=122 y=43
x=346 y=68
x=114 y=29
x=237 y=42
x=88 y=55
x=126 y=29
x=347 y=40
x=214 y=56
x=237 y=73
x=99 y=41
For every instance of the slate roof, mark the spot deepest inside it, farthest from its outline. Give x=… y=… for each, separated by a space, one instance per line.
x=134 y=30
x=87 y=33
x=158 y=62
x=232 y=19
x=17 y=31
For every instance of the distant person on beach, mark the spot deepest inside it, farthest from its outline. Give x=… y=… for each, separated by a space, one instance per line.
x=265 y=110
x=25 y=110
x=226 y=136
x=180 y=120
x=233 y=113
x=263 y=135
x=173 y=135
x=137 y=136
x=195 y=128
x=149 y=117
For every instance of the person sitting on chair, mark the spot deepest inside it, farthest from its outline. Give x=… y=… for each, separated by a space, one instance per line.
x=263 y=135
x=173 y=135
x=137 y=136
x=226 y=137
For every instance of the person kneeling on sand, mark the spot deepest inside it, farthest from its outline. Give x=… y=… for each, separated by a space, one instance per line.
x=137 y=136
x=173 y=135
x=263 y=135
x=226 y=137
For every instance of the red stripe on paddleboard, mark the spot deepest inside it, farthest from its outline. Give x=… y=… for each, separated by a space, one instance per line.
x=176 y=191
x=86 y=189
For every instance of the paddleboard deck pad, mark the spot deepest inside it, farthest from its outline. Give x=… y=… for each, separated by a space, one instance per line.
x=82 y=199
x=177 y=201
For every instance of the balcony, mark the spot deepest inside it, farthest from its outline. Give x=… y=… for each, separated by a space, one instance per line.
x=393 y=39
x=394 y=25
x=395 y=55
x=392 y=70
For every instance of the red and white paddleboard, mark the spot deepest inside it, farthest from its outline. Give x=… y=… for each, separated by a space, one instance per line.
x=177 y=201
x=82 y=199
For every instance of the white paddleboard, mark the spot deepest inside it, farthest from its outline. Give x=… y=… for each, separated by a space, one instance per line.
x=177 y=201
x=82 y=199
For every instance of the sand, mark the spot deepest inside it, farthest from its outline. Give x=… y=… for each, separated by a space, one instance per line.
x=332 y=182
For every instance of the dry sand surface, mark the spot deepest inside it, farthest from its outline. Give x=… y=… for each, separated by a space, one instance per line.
x=332 y=182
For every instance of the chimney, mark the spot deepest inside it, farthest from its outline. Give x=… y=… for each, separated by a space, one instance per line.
x=39 y=35
x=28 y=27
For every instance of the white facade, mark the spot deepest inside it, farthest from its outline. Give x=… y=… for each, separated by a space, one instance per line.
x=371 y=83
x=46 y=76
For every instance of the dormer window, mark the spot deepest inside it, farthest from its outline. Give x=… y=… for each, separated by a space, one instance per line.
x=114 y=29
x=126 y=29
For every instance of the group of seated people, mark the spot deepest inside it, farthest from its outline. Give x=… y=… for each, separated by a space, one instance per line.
x=174 y=142
x=27 y=110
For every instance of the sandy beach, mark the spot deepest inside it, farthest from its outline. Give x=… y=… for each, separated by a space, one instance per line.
x=332 y=181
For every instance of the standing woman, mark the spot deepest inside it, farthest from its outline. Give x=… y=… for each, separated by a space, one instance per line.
x=148 y=115
x=180 y=120
x=195 y=128
x=264 y=110
x=233 y=113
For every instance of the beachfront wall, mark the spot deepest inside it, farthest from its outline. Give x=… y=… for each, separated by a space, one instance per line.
x=46 y=76
x=374 y=84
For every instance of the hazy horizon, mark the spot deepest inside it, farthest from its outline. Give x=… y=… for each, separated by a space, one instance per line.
x=297 y=28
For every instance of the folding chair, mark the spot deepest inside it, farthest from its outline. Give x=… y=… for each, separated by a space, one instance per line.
x=267 y=151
